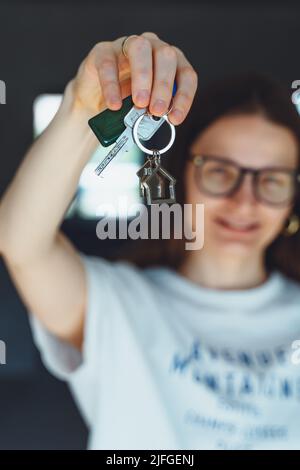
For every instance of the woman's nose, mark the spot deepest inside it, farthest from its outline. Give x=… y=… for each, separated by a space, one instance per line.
x=245 y=192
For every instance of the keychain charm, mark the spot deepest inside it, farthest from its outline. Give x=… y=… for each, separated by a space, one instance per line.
x=156 y=183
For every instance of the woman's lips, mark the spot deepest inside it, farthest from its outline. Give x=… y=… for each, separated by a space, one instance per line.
x=237 y=227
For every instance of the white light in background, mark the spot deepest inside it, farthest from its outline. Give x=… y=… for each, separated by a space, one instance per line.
x=118 y=181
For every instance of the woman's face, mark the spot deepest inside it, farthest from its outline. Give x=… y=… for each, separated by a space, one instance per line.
x=251 y=141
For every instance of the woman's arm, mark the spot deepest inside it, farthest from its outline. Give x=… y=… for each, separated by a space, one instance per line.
x=44 y=265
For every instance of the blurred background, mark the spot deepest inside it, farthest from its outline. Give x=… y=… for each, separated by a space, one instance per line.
x=41 y=46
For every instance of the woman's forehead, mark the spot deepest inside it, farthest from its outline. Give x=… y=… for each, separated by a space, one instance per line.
x=249 y=140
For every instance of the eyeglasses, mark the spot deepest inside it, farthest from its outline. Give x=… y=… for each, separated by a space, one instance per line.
x=221 y=177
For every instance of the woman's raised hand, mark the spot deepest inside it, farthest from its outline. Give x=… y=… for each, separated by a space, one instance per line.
x=106 y=77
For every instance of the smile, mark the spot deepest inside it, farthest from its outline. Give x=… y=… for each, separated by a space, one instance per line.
x=237 y=227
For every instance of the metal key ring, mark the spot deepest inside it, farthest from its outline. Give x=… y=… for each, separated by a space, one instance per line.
x=141 y=146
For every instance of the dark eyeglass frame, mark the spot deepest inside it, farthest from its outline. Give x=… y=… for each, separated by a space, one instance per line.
x=200 y=159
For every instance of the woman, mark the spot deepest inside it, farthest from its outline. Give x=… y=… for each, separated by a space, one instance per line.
x=196 y=351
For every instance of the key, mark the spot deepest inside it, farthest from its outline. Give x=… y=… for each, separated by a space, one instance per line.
x=112 y=126
x=125 y=142
x=148 y=126
x=109 y=125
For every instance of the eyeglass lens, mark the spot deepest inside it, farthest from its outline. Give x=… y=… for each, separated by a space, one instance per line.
x=220 y=178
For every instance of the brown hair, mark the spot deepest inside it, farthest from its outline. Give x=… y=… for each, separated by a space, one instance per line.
x=250 y=93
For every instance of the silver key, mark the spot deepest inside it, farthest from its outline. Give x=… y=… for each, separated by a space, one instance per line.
x=148 y=126
x=125 y=142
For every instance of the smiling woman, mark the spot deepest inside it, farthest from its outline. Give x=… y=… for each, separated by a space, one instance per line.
x=125 y=334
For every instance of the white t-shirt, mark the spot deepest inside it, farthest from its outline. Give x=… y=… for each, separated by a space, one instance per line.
x=168 y=364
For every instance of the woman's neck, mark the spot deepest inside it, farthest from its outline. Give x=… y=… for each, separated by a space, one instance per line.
x=222 y=272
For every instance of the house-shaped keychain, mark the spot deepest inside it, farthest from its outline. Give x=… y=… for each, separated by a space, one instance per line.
x=155 y=183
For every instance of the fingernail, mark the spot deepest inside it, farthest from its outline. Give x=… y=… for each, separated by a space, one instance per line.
x=177 y=114
x=115 y=100
x=159 y=106
x=143 y=96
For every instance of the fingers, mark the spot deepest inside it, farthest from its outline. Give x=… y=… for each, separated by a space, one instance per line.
x=107 y=66
x=165 y=65
x=187 y=83
x=139 y=51
x=153 y=65
x=169 y=63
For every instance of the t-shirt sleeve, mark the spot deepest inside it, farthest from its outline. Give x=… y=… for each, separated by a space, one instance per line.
x=81 y=369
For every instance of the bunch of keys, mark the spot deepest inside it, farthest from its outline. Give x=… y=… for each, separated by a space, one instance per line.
x=125 y=128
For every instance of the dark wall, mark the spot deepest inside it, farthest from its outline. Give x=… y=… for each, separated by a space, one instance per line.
x=41 y=46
